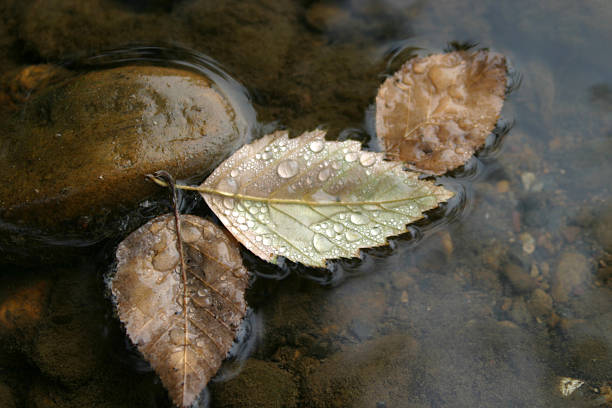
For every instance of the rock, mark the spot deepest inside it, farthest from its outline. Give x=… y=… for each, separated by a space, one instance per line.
x=519 y=312
x=6 y=396
x=67 y=352
x=540 y=304
x=520 y=280
x=80 y=149
x=260 y=384
x=572 y=271
x=25 y=307
x=589 y=347
x=603 y=229
x=365 y=375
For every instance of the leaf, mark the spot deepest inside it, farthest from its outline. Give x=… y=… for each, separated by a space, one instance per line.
x=435 y=112
x=310 y=200
x=183 y=330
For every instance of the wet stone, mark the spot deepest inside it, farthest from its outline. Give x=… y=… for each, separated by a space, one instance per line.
x=114 y=126
x=260 y=384
x=6 y=396
x=520 y=280
x=365 y=374
x=572 y=272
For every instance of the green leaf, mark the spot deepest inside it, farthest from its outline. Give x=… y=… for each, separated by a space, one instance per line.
x=310 y=200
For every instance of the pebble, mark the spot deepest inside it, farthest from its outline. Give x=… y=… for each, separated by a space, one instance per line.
x=540 y=304
x=519 y=279
x=572 y=271
x=528 y=242
x=528 y=179
x=503 y=186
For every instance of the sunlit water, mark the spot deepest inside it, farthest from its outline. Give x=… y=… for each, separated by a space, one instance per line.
x=461 y=311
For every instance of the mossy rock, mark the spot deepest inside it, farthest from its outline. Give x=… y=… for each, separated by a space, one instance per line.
x=78 y=150
x=260 y=384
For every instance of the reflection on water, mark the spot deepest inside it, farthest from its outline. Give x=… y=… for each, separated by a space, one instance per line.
x=490 y=301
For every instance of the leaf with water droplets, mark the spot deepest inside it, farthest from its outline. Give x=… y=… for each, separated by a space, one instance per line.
x=310 y=200
x=435 y=112
x=183 y=324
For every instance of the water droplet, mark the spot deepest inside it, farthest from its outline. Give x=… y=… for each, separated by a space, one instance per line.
x=234 y=173
x=241 y=220
x=321 y=243
x=329 y=232
x=266 y=156
x=253 y=210
x=336 y=165
x=338 y=228
x=342 y=216
x=367 y=159
x=359 y=219
x=228 y=203
x=250 y=224
x=317 y=146
x=258 y=238
x=243 y=227
x=288 y=168
x=282 y=249
x=202 y=292
x=228 y=185
x=352 y=236
x=325 y=174
x=258 y=156
x=351 y=157
x=267 y=241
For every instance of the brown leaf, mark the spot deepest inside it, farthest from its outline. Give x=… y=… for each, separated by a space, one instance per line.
x=185 y=347
x=435 y=112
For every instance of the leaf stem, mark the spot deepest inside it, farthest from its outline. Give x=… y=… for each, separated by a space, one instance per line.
x=212 y=191
x=163 y=178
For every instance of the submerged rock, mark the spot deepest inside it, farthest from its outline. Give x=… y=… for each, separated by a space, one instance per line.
x=260 y=384
x=366 y=375
x=572 y=272
x=79 y=150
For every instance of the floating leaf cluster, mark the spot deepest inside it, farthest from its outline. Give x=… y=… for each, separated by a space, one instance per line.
x=180 y=281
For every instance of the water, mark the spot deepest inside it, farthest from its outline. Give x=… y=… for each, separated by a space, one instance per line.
x=465 y=310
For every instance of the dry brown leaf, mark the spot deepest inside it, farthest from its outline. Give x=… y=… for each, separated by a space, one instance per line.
x=185 y=347
x=436 y=111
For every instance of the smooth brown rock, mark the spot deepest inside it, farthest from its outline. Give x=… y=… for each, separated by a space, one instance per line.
x=376 y=371
x=260 y=384
x=573 y=270
x=519 y=278
x=80 y=149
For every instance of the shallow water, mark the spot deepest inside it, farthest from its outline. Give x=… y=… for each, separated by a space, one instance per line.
x=462 y=311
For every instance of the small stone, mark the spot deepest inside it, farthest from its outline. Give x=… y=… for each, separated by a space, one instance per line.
x=402 y=280
x=540 y=304
x=7 y=400
x=447 y=243
x=24 y=308
x=520 y=313
x=603 y=229
x=519 y=279
x=528 y=179
x=528 y=242
x=572 y=271
x=503 y=186
x=570 y=233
